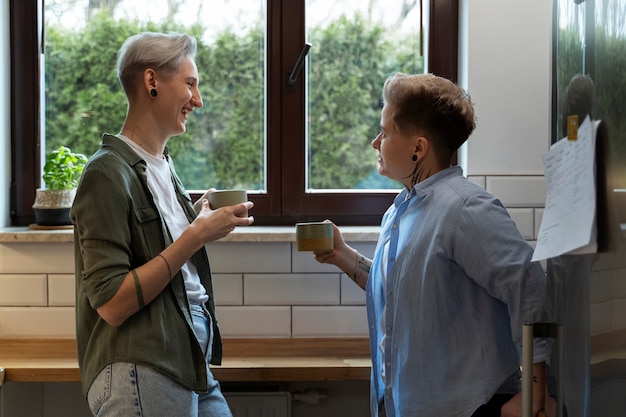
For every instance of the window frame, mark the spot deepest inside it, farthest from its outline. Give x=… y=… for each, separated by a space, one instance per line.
x=286 y=201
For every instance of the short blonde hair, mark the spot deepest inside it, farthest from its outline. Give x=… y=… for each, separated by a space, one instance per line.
x=163 y=52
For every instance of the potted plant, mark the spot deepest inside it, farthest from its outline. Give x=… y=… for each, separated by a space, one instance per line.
x=61 y=173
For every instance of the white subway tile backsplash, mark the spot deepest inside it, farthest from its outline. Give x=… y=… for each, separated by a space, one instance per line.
x=263 y=289
x=37 y=258
x=23 y=290
x=291 y=289
x=351 y=294
x=349 y=321
x=258 y=321
x=365 y=248
x=605 y=287
x=238 y=257
x=523 y=219
x=478 y=180
x=228 y=289
x=305 y=261
x=61 y=290
x=37 y=322
x=516 y=191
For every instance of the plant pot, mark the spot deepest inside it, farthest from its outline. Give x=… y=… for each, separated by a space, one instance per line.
x=52 y=207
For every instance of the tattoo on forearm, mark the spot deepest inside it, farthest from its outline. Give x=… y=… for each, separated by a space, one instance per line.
x=362 y=264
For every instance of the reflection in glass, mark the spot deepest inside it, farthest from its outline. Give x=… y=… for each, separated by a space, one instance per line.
x=596 y=46
x=591 y=57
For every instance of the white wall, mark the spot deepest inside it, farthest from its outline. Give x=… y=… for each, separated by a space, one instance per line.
x=5 y=128
x=508 y=76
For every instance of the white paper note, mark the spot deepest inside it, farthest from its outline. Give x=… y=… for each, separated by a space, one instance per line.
x=569 y=218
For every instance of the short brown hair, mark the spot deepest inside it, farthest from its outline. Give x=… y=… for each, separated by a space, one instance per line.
x=433 y=106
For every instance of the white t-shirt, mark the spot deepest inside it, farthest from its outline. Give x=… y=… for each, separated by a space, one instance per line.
x=162 y=188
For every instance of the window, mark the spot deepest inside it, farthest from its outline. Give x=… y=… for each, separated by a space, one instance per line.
x=288 y=171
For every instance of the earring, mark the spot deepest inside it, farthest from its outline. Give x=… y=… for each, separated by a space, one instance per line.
x=153 y=92
x=414 y=158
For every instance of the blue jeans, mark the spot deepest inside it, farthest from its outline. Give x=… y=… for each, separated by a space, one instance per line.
x=126 y=389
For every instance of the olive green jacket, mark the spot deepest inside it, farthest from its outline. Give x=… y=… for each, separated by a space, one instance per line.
x=118 y=227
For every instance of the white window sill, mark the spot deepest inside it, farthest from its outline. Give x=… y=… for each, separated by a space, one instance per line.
x=240 y=234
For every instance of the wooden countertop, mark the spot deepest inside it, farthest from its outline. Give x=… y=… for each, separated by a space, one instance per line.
x=327 y=359
x=257 y=360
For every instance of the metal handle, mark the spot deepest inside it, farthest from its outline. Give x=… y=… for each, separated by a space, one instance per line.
x=293 y=77
x=529 y=332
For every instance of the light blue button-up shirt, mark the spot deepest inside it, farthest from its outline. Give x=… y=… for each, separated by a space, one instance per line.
x=456 y=284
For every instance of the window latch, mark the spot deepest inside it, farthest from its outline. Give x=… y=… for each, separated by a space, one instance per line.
x=293 y=77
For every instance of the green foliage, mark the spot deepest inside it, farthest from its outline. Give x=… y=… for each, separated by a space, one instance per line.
x=350 y=61
x=228 y=151
x=63 y=168
x=83 y=98
x=224 y=146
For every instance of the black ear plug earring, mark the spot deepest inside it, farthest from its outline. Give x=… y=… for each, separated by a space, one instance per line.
x=414 y=158
x=153 y=92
